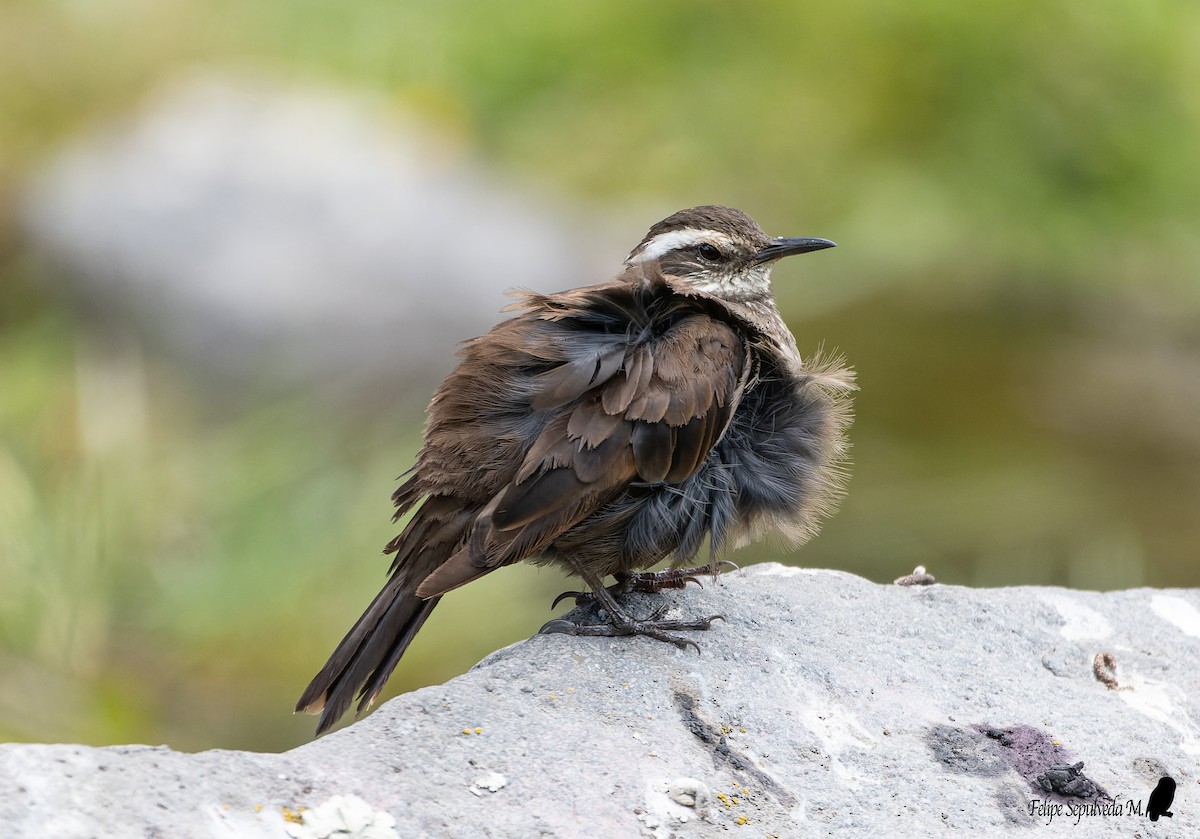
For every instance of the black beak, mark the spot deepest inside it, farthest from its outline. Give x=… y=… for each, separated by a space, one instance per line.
x=780 y=248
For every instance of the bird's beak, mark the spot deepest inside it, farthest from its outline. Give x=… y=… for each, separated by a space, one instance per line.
x=780 y=248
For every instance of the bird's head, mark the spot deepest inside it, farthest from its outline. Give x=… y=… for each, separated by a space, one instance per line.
x=718 y=250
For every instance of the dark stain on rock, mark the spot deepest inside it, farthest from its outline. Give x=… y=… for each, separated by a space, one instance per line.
x=1068 y=780
x=723 y=753
x=988 y=751
x=1013 y=802
x=966 y=751
x=1046 y=766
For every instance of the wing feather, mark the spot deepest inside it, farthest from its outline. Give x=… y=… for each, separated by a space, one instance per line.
x=653 y=450
x=647 y=411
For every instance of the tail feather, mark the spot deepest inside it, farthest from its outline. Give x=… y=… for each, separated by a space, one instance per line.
x=383 y=670
x=371 y=649
x=367 y=655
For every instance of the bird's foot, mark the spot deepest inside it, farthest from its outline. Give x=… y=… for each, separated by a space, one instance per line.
x=622 y=624
x=649 y=581
x=653 y=581
x=617 y=621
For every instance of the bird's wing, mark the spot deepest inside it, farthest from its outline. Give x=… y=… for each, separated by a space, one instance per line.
x=634 y=411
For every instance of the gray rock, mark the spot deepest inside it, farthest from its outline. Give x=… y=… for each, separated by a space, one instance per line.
x=824 y=704
x=261 y=231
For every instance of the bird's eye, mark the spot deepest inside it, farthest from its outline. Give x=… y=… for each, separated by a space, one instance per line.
x=709 y=252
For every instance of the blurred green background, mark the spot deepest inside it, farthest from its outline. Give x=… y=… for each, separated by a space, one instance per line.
x=1015 y=189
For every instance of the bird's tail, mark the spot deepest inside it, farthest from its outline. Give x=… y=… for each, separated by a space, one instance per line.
x=367 y=655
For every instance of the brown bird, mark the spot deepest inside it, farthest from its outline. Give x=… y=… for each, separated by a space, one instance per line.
x=607 y=428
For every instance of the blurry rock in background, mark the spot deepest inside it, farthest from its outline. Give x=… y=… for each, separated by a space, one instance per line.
x=269 y=234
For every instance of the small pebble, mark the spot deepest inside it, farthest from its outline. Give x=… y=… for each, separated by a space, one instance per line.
x=919 y=577
x=491 y=782
x=688 y=791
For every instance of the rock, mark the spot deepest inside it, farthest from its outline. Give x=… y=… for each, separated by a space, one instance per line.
x=264 y=232
x=824 y=704
x=491 y=782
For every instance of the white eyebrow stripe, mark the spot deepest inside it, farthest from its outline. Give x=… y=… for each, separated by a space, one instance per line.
x=675 y=239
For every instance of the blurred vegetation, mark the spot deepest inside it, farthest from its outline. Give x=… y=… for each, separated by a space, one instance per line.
x=1015 y=188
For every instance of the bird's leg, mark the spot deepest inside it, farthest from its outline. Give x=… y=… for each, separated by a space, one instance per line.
x=587 y=598
x=650 y=581
x=620 y=622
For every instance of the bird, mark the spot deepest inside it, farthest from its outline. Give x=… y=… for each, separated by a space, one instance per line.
x=605 y=429
x=1161 y=798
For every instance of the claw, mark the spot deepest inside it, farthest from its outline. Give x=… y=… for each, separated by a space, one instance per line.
x=559 y=626
x=578 y=595
x=684 y=643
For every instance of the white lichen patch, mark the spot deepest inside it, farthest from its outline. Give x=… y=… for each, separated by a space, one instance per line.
x=1178 y=612
x=669 y=804
x=491 y=782
x=839 y=732
x=343 y=817
x=1079 y=622
x=1164 y=704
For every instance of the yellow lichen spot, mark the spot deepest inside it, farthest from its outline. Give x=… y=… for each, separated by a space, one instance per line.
x=479 y=731
x=742 y=729
x=745 y=791
x=293 y=816
x=552 y=696
x=742 y=820
x=466 y=731
x=735 y=801
x=258 y=808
